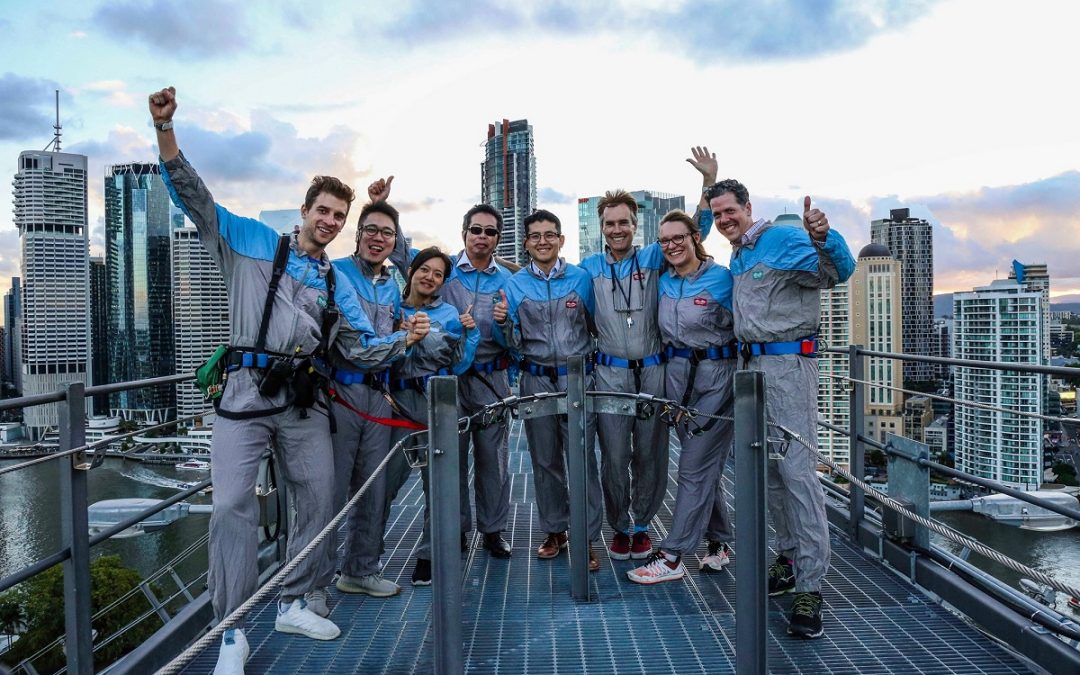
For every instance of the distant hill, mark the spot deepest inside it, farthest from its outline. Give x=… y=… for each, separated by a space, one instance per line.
x=942 y=305
x=1061 y=303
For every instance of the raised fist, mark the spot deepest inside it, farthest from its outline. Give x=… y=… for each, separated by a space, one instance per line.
x=163 y=104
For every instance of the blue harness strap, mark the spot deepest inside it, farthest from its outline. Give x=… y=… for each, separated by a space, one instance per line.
x=603 y=359
x=711 y=353
x=806 y=346
x=373 y=379
x=551 y=372
x=489 y=367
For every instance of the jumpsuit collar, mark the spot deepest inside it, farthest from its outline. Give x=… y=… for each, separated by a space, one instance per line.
x=555 y=271
x=465 y=265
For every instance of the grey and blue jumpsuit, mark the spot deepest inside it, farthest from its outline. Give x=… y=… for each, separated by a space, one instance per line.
x=550 y=319
x=447 y=350
x=699 y=341
x=360 y=444
x=629 y=359
x=484 y=383
x=247 y=421
x=777 y=274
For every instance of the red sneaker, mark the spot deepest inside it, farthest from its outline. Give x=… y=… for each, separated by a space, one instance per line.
x=641 y=548
x=620 y=546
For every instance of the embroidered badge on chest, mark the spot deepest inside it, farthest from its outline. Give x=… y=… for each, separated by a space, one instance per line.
x=571 y=304
x=758 y=274
x=639 y=276
x=700 y=302
x=321 y=302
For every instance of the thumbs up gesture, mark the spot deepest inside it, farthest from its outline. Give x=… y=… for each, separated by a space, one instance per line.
x=466 y=319
x=814 y=221
x=501 y=308
x=379 y=190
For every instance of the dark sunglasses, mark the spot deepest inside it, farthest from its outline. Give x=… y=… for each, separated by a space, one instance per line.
x=489 y=231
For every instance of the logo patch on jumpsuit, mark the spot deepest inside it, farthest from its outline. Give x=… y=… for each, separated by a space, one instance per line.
x=700 y=302
x=639 y=276
x=321 y=302
x=571 y=304
x=758 y=274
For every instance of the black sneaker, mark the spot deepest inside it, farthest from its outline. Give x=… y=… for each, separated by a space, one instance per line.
x=781 y=576
x=806 y=616
x=421 y=574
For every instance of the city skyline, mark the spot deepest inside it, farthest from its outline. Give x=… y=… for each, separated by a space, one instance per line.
x=864 y=106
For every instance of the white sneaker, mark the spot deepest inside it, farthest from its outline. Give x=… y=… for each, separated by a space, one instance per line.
x=371 y=584
x=297 y=618
x=657 y=570
x=316 y=601
x=717 y=557
x=233 y=654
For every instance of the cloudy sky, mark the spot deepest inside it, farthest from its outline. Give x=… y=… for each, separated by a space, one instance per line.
x=961 y=110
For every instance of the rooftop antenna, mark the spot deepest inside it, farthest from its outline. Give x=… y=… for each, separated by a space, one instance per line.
x=54 y=146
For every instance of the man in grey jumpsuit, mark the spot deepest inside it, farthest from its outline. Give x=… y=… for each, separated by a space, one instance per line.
x=251 y=415
x=629 y=358
x=361 y=443
x=545 y=315
x=777 y=273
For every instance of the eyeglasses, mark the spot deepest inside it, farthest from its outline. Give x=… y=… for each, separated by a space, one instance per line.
x=535 y=237
x=384 y=232
x=675 y=239
x=489 y=231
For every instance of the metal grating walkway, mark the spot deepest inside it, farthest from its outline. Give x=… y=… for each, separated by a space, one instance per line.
x=518 y=615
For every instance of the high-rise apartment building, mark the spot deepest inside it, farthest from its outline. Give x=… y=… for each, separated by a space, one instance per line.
x=200 y=314
x=50 y=213
x=999 y=322
x=876 y=325
x=833 y=399
x=12 y=319
x=652 y=205
x=911 y=241
x=941 y=346
x=508 y=181
x=1036 y=278
x=138 y=235
x=99 y=331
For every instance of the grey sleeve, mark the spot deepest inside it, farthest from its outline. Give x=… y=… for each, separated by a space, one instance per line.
x=190 y=194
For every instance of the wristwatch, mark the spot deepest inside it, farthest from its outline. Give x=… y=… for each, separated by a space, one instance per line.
x=163 y=126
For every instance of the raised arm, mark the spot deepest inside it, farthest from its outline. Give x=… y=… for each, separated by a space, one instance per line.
x=162 y=109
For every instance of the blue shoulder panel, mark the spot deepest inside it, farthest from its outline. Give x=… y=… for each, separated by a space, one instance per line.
x=778 y=248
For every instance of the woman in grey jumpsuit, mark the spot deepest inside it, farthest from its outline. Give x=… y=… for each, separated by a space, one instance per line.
x=696 y=325
x=447 y=350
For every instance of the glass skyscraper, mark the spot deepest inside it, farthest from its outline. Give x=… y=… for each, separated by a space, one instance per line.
x=138 y=236
x=508 y=181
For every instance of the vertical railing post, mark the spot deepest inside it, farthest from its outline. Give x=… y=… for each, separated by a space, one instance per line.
x=856 y=426
x=75 y=530
x=444 y=517
x=751 y=465
x=578 y=444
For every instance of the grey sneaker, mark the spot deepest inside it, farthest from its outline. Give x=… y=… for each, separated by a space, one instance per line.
x=369 y=584
x=316 y=601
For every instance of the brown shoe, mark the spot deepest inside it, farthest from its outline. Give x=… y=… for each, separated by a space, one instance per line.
x=553 y=544
x=594 y=562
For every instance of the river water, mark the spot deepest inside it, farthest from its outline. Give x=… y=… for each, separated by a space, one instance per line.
x=30 y=525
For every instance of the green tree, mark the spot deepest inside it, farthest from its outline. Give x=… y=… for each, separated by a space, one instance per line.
x=40 y=603
x=876 y=457
x=1066 y=474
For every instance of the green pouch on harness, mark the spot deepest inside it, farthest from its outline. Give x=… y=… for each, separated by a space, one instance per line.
x=210 y=377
